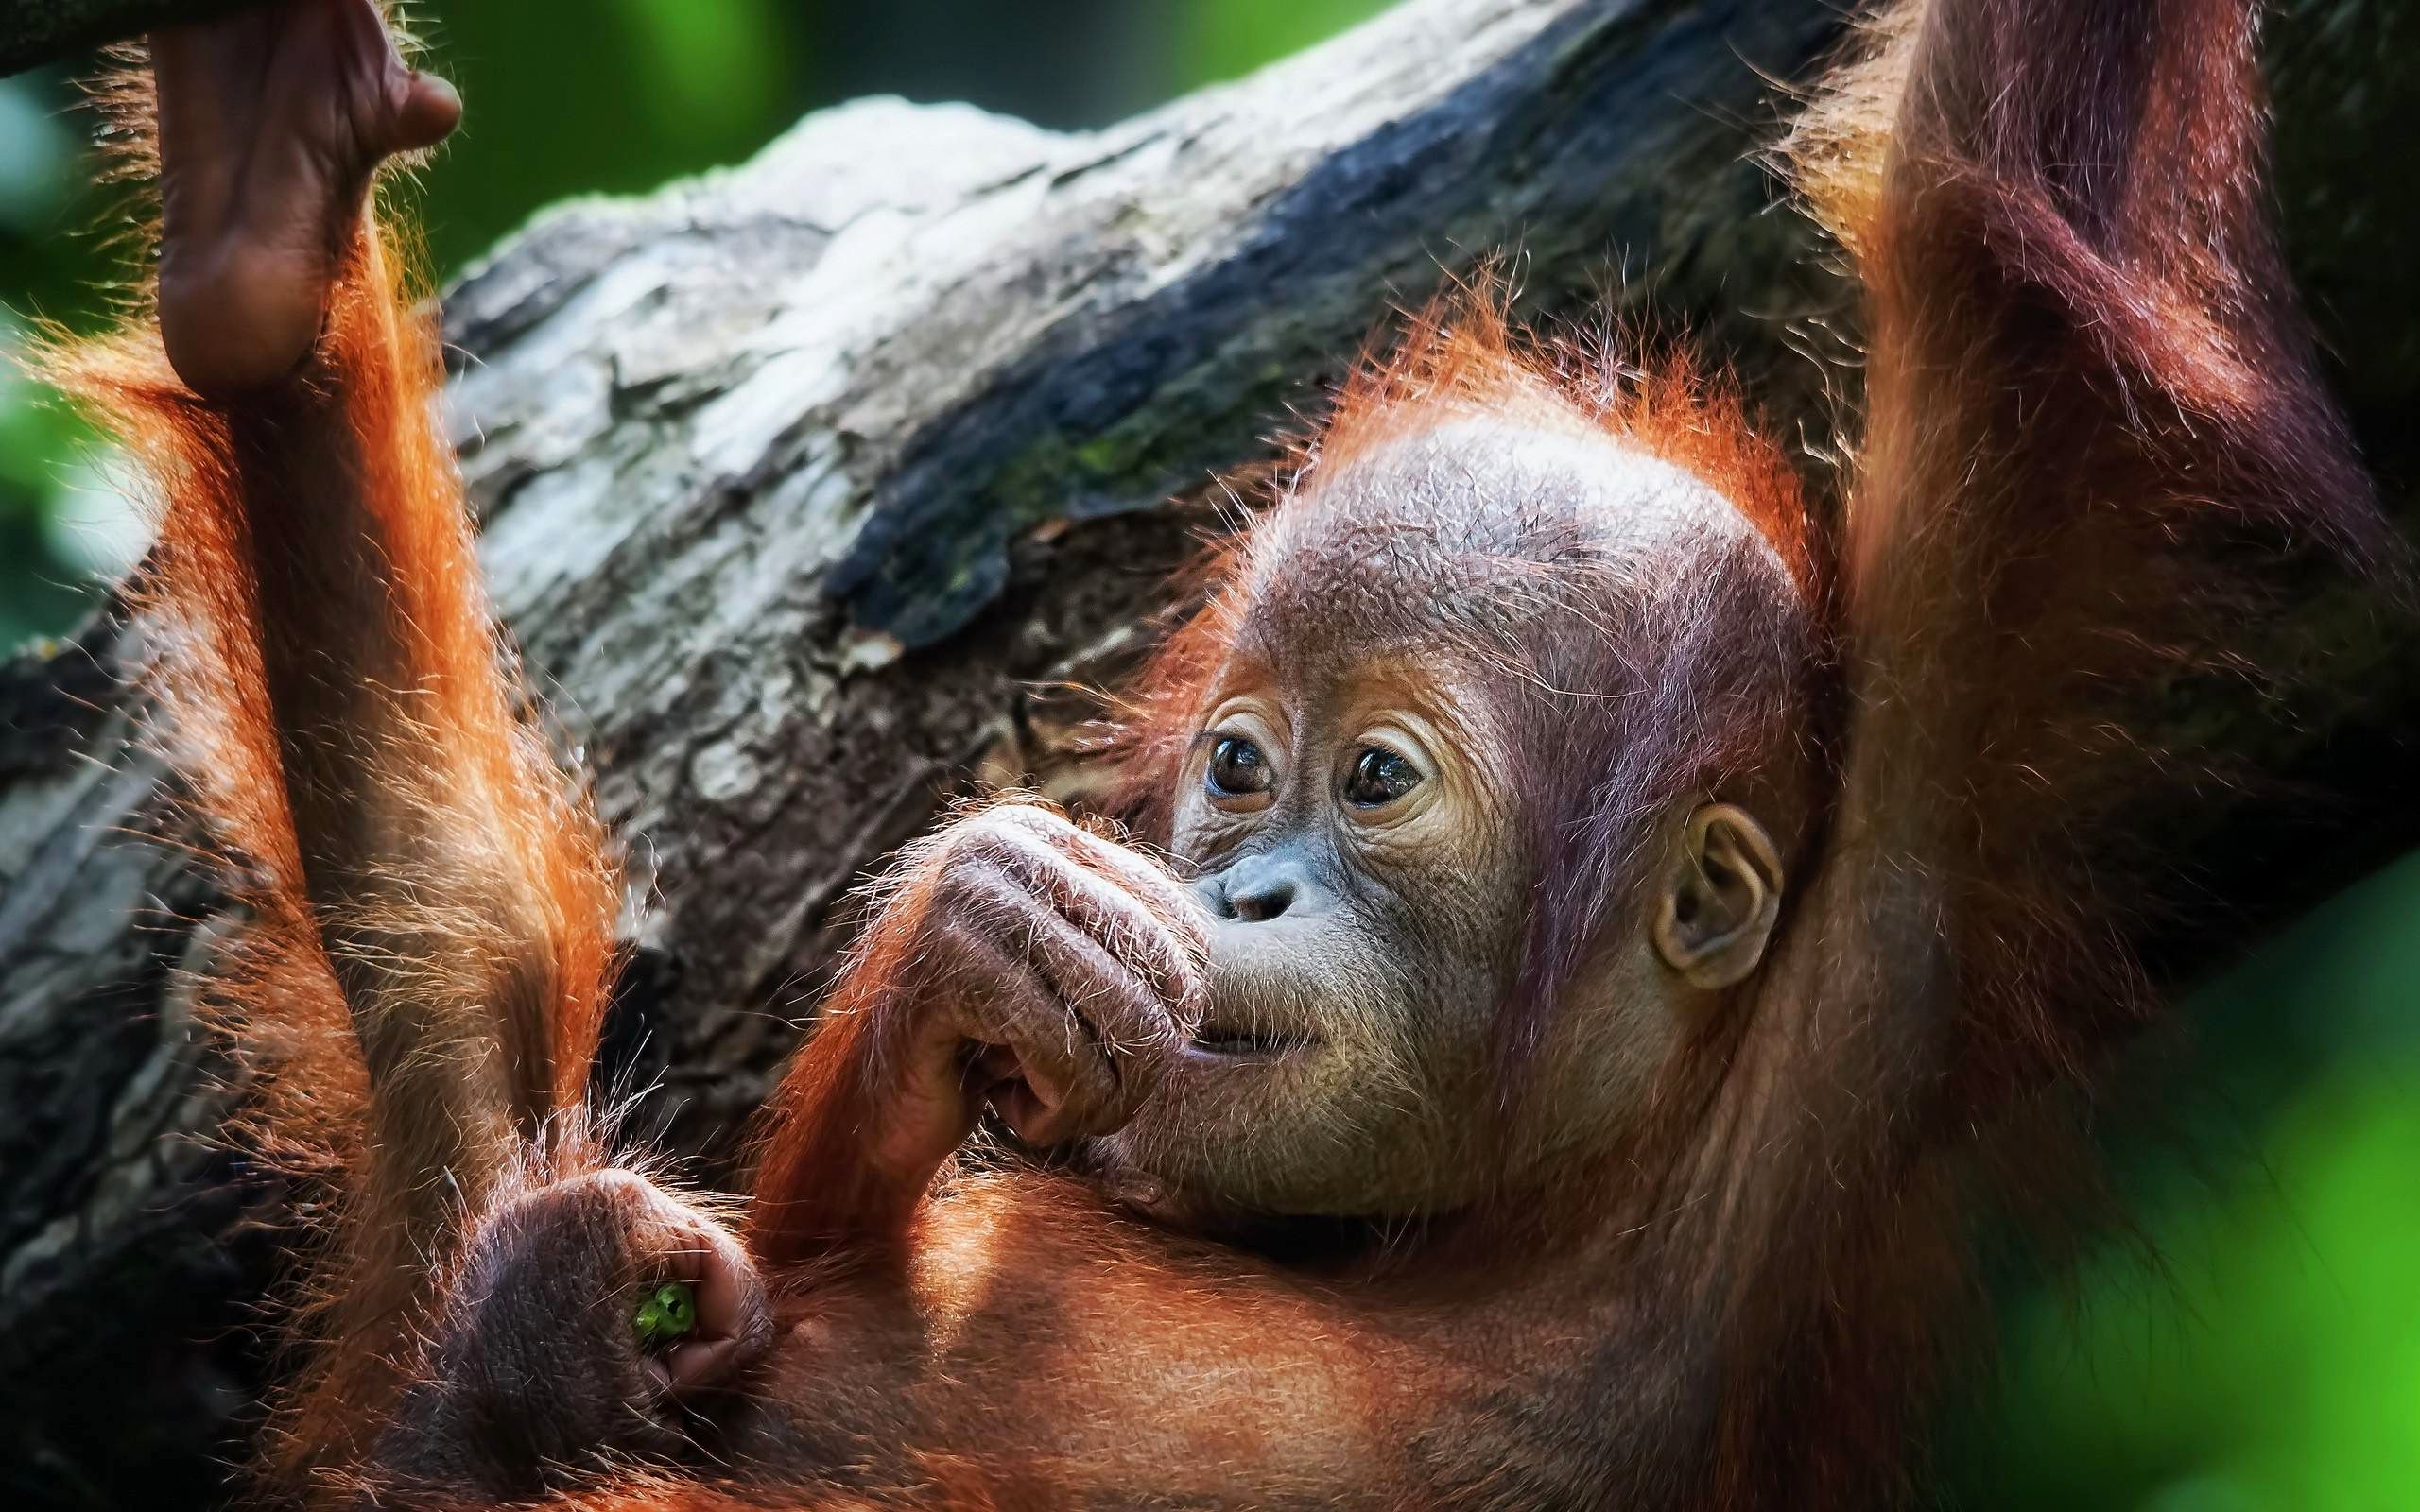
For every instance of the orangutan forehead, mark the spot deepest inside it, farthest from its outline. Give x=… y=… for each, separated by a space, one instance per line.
x=1469 y=520
x=1538 y=486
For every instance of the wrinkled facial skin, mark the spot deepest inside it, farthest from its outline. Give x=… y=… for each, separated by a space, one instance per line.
x=1363 y=880
x=1349 y=807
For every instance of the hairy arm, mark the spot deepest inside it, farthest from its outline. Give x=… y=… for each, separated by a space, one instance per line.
x=2092 y=411
x=333 y=678
x=419 y=993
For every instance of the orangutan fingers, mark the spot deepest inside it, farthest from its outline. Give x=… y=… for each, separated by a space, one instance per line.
x=1038 y=1059
x=589 y=1253
x=1132 y=908
x=672 y=1243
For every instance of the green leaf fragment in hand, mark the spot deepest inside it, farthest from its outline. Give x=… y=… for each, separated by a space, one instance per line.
x=666 y=1313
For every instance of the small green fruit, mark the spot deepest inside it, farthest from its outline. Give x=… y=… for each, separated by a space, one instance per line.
x=666 y=1313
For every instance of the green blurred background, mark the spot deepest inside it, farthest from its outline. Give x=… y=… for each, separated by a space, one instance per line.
x=2268 y=1358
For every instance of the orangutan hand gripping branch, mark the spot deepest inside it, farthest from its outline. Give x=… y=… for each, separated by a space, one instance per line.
x=1592 y=941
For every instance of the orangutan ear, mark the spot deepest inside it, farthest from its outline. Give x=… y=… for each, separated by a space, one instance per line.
x=1713 y=915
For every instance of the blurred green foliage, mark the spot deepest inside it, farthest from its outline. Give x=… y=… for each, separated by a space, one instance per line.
x=2272 y=1363
x=45 y=577
x=1233 y=37
x=2269 y=1361
x=2257 y=1348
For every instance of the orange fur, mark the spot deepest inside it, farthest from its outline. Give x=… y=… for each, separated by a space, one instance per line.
x=425 y=885
x=2093 y=412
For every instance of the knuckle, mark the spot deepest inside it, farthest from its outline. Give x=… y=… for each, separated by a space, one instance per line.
x=980 y=861
x=1026 y=820
x=588 y=1226
x=616 y=1183
x=975 y=904
x=952 y=851
x=1032 y=850
x=957 y=885
x=609 y=1196
x=1008 y=828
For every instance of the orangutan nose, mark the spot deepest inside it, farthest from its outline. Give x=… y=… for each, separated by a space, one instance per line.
x=1258 y=888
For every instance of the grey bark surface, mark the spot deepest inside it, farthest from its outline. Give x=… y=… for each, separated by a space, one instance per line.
x=802 y=482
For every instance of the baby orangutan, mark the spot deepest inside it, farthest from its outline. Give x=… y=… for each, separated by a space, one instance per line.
x=1586 y=947
x=1311 y=1027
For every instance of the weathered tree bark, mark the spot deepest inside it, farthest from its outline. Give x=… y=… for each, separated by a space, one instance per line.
x=799 y=478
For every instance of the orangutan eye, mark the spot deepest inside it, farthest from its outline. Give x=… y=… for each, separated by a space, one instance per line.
x=1379 y=777
x=1238 y=768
